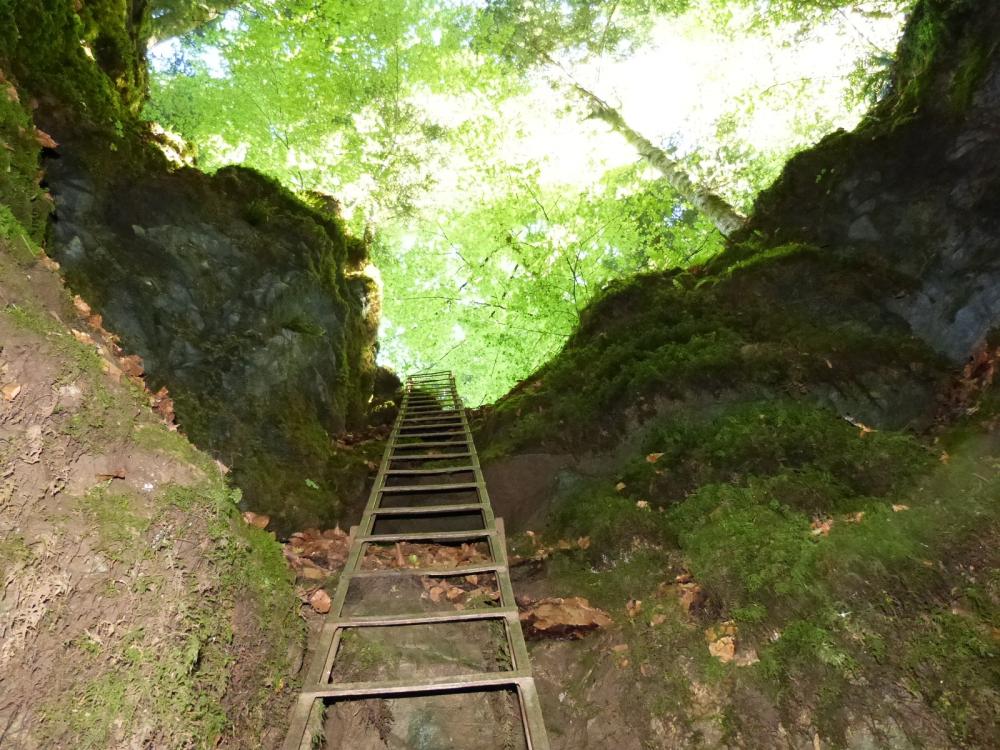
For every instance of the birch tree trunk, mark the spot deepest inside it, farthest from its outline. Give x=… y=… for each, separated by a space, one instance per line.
x=725 y=218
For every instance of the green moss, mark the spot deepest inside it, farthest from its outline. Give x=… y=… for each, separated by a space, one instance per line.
x=253 y=573
x=17 y=241
x=23 y=209
x=969 y=75
x=668 y=338
x=820 y=459
x=176 y=682
x=953 y=662
x=118 y=523
x=770 y=556
x=157 y=437
x=102 y=706
x=13 y=552
x=45 y=48
x=941 y=60
x=766 y=256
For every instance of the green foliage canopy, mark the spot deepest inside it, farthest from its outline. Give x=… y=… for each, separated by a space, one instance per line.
x=423 y=118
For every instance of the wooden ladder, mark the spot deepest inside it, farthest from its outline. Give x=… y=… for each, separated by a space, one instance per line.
x=431 y=426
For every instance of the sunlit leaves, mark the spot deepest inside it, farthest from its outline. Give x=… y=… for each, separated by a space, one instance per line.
x=424 y=118
x=514 y=272
x=321 y=94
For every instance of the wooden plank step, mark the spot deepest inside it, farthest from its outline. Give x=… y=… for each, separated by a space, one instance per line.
x=425 y=510
x=428 y=536
x=419 y=472
x=429 y=487
x=428 y=456
x=427 y=618
x=464 y=570
x=425 y=685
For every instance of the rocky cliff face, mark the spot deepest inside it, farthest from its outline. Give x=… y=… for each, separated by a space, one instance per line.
x=915 y=189
x=249 y=306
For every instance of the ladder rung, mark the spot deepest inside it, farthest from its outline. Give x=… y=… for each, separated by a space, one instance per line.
x=424 y=510
x=429 y=487
x=434 y=423
x=424 y=618
x=428 y=456
x=434 y=417
x=439 y=433
x=437 y=470
x=428 y=536
x=458 y=427
x=426 y=685
x=431 y=572
x=434 y=444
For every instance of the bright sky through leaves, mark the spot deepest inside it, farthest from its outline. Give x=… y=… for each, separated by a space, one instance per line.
x=499 y=208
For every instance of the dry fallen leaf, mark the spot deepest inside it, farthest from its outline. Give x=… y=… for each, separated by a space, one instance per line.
x=583 y=542
x=620 y=648
x=633 y=607
x=10 y=391
x=620 y=486
x=572 y=617
x=862 y=427
x=132 y=365
x=822 y=527
x=691 y=596
x=258 y=520
x=722 y=641
x=642 y=504
x=855 y=517
x=81 y=306
x=83 y=338
x=44 y=139
x=658 y=619
x=654 y=457
x=897 y=507
x=48 y=263
x=320 y=601
x=723 y=649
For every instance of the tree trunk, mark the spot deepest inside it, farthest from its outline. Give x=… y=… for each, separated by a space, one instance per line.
x=726 y=218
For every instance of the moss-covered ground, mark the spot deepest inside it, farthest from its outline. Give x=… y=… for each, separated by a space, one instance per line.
x=151 y=611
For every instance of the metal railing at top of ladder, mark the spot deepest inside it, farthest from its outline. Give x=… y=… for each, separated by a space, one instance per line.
x=431 y=420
